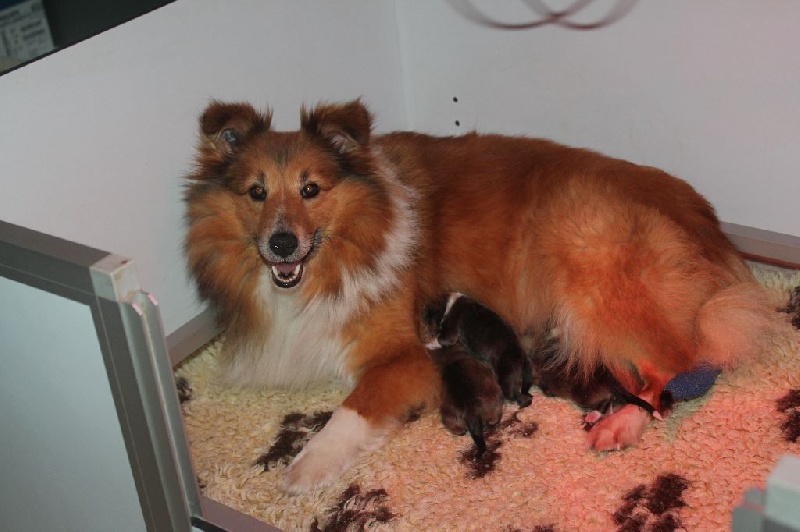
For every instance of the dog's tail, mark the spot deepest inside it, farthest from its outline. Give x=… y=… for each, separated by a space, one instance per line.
x=733 y=324
x=475 y=428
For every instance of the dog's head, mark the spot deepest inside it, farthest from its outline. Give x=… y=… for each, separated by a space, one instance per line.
x=294 y=194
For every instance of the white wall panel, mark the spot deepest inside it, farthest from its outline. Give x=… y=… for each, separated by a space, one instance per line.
x=707 y=90
x=95 y=138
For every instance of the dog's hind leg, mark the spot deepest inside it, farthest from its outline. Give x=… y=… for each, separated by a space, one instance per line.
x=729 y=326
x=618 y=430
x=625 y=427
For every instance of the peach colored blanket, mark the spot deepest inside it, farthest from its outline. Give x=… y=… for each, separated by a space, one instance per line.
x=689 y=471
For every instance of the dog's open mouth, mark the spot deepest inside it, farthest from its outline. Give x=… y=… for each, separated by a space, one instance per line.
x=287 y=274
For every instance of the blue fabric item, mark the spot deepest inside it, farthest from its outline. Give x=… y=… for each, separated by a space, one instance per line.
x=692 y=384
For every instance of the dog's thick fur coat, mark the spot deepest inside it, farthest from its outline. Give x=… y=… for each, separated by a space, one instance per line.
x=319 y=247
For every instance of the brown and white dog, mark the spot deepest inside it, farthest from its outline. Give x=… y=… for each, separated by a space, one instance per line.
x=319 y=247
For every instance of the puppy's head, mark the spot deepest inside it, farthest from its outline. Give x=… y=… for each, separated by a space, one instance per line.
x=441 y=320
x=431 y=321
x=293 y=194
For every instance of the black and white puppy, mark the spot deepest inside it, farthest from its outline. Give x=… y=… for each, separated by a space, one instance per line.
x=481 y=364
x=457 y=319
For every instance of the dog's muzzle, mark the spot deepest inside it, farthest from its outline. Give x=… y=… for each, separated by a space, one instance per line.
x=286 y=256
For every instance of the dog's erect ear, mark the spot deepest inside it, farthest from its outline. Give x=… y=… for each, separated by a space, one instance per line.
x=225 y=126
x=346 y=127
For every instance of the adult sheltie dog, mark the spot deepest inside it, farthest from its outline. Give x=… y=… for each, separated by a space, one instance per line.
x=319 y=248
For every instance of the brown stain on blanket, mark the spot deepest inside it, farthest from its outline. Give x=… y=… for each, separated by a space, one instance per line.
x=356 y=510
x=789 y=405
x=652 y=508
x=296 y=429
x=511 y=427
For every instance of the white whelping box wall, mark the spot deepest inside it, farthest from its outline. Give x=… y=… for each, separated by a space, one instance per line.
x=97 y=136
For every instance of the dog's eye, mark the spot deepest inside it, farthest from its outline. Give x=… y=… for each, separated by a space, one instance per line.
x=257 y=192
x=309 y=191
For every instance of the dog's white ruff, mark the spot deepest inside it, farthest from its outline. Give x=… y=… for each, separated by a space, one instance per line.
x=300 y=346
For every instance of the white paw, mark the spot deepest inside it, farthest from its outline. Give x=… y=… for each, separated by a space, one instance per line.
x=332 y=451
x=618 y=430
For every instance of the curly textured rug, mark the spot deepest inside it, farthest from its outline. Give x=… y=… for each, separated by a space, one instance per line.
x=688 y=473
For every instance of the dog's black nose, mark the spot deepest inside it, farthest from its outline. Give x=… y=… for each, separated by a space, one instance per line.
x=283 y=244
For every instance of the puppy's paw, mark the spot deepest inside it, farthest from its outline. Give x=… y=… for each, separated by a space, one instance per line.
x=332 y=451
x=524 y=399
x=618 y=430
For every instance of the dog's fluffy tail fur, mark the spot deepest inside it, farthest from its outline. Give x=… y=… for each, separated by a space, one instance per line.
x=734 y=322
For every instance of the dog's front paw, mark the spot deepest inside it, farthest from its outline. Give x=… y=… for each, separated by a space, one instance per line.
x=618 y=430
x=332 y=451
x=315 y=469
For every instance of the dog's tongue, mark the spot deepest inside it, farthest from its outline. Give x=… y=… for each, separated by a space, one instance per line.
x=286 y=267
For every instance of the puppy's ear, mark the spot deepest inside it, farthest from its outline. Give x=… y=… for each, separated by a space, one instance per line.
x=345 y=127
x=224 y=127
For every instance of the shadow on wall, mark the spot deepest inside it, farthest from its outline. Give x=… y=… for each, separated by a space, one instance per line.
x=545 y=16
